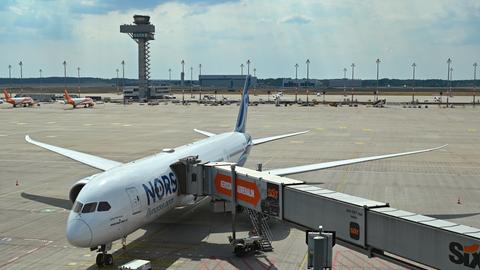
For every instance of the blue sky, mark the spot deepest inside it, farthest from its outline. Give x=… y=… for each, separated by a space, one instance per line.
x=222 y=34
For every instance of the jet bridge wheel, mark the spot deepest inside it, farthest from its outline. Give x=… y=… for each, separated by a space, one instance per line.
x=104 y=259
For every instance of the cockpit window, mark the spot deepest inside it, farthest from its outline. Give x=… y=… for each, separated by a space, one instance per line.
x=89 y=207
x=77 y=207
x=103 y=206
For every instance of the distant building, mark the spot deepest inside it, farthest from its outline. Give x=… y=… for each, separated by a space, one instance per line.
x=340 y=83
x=225 y=81
x=288 y=82
x=132 y=92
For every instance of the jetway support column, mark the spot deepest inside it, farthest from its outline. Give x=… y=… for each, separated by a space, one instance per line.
x=234 y=200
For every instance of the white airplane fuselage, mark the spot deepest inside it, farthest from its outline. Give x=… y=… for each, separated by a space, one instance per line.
x=143 y=190
x=80 y=101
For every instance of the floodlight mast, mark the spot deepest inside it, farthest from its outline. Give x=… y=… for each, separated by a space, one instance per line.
x=142 y=31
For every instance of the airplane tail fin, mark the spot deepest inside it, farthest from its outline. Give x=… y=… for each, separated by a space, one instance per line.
x=242 y=113
x=7 y=96
x=66 y=95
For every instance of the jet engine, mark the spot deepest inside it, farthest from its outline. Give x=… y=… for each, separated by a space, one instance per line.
x=77 y=187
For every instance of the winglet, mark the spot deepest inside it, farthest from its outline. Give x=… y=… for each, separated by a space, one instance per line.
x=203 y=132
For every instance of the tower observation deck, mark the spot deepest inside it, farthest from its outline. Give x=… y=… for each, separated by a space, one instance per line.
x=142 y=31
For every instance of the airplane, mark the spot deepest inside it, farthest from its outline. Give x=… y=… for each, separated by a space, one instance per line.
x=112 y=204
x=86 y=102
x=24 y=101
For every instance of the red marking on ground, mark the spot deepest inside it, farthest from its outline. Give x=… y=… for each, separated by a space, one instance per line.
x=375 y=259
x=353 y=262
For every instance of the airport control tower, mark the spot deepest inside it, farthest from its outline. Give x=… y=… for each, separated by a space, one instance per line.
x=142 y=32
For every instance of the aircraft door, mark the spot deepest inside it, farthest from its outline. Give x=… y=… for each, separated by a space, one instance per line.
x=134 y=200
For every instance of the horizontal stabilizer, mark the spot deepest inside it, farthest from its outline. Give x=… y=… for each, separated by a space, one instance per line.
x=331 y=164
x=87 y=159
x=206 y=133
x=278 y=137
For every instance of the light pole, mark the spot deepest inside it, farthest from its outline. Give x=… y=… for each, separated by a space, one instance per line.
x=353 y=70
x=378 y=70
x=10 y=72
x=248 y=67
x=40 y=71
x=65 y=73
x=191 y=82
x=474 y=81
x=451 y=79
x=123 y=74
x=241 y=69
x=21 y=74
x=78 y=80
x=254 y=72
x=182 y=75
x=116 y=81
x=296 y=71
x=413 y=82
x=199 y=74
x=344 y=82
x=308 y=69
x=169 y=74
x=353 y=76
x=449 y=61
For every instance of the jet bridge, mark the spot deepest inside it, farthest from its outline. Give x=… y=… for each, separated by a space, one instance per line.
x=371 y=227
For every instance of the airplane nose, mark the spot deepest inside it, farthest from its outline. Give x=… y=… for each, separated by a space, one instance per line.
x=79 y=233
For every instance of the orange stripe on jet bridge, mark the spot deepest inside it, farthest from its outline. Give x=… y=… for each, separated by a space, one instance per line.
x=246 y=191
x=471 y=249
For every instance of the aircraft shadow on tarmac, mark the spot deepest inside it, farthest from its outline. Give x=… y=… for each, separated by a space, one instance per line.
x=61 y=203
x=183 y=234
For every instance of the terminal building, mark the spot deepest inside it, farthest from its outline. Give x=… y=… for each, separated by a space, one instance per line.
x=288 y=82
x=155 y=92
x=340 y=83
x=225 y=81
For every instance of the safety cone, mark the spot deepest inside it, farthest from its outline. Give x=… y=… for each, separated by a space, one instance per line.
x=16 y=183
x=459 y=202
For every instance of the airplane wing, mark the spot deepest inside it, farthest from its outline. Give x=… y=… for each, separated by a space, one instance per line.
x=331 y=164
x=278 y=137
x=206 y=133
x=90 y=160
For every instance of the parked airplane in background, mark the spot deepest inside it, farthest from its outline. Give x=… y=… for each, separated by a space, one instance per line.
x=85 y=102
x=22 y=101
x=126 y=196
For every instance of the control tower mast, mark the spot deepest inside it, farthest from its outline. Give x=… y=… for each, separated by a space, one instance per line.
x=142 y=32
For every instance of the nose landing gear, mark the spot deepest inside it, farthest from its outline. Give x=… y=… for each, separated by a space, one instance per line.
x=103 y=258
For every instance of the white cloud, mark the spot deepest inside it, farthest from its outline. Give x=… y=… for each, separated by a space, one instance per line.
x=333 y=34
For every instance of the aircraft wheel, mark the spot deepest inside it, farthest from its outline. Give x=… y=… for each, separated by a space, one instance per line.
x=100 y=259
x=108 y=259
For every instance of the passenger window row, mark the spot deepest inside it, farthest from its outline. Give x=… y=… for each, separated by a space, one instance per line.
x=90 y=207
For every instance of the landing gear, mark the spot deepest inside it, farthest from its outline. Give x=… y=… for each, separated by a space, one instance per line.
x=124 y=242
x=103 y=258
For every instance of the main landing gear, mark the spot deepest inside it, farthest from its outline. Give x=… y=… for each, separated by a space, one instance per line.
x=103 y=258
